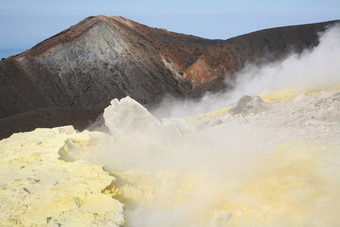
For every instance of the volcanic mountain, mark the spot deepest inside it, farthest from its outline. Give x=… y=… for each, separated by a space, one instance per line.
x=71 y=77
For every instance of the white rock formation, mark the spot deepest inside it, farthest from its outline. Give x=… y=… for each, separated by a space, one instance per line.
x=126 y=116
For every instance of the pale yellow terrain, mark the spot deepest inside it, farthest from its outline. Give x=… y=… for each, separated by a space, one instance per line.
x=39 y=189
x=296 y=185
x=289 y=93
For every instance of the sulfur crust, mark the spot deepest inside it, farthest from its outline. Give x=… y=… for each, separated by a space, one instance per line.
x=289 y=93
x=39 y=189
x=279 y=95
x=288 y=187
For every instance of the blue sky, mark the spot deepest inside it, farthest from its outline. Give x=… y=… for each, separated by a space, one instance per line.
x=24 y=23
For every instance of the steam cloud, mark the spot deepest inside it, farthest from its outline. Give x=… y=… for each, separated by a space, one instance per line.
x=172 y=173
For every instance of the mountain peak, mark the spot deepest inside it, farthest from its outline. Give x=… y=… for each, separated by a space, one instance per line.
x=73 y=32
x=120 y=19
x=63 y=37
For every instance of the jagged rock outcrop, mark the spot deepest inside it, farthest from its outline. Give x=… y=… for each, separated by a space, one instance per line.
x=102 y=58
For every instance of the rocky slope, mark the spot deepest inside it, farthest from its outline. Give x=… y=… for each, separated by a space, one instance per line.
x=102 y=58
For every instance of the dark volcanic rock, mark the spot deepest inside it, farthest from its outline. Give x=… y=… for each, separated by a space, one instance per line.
x=273 y=44
x=80 y=118
x=102 y=58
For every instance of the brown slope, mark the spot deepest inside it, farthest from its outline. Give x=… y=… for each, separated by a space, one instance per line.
x=276 y=43
x=178 y=49
x=195 y=59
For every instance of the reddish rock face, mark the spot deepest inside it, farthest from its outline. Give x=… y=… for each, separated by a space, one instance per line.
x=102 y=58
x=215 y=63
x=198 y=73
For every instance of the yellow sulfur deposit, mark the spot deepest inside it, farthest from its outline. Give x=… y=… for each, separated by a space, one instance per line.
x=289 y=93
x=39 y=189
x=293 y=186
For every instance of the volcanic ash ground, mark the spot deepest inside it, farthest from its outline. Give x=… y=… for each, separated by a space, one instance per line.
x=267 y=160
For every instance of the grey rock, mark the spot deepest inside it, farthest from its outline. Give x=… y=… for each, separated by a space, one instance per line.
x=248 y=105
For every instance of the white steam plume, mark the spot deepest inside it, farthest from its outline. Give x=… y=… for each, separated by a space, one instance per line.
x=238 y=173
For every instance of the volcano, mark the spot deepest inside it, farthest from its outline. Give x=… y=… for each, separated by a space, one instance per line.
x=80 y=70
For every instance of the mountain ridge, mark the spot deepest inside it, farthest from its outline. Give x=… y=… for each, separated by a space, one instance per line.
x=102 y=58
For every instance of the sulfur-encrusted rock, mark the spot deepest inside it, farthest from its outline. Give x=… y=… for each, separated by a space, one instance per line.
x=248 y=105
x=37 y=188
